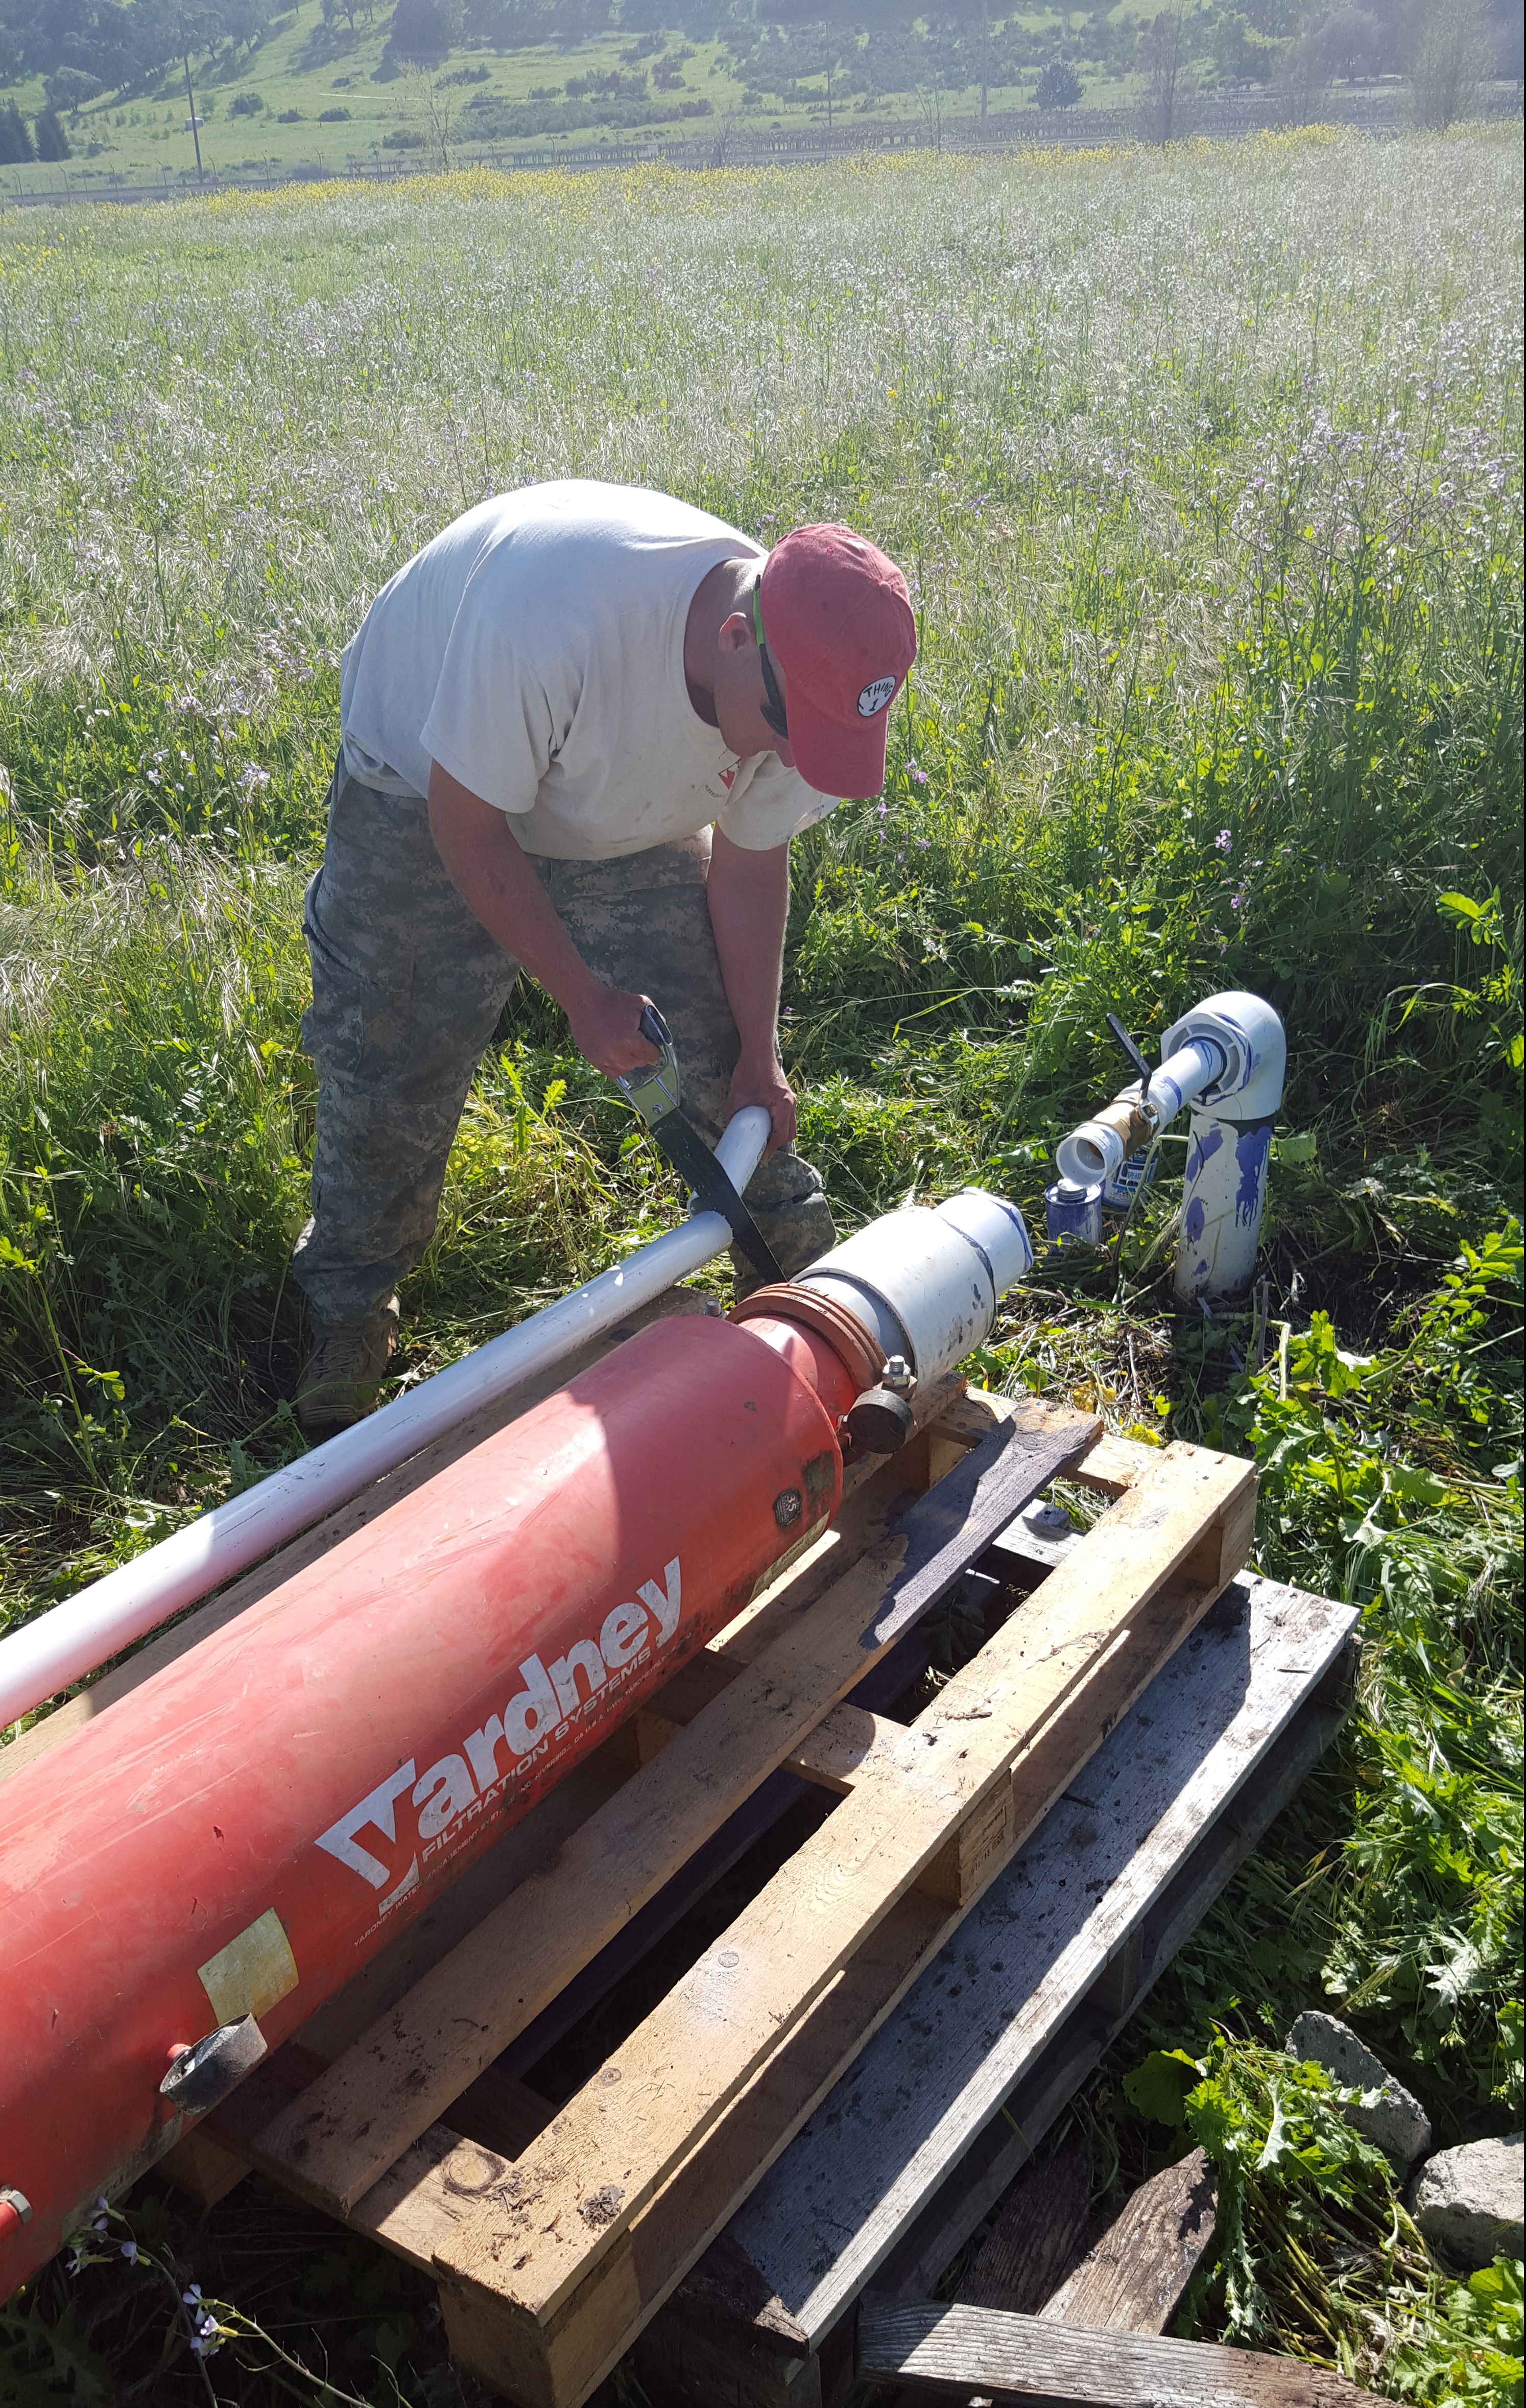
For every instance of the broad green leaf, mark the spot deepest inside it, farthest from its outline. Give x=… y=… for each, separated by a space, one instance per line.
x=1158 y=2087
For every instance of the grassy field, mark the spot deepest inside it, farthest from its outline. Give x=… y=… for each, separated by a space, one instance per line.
x=1205 y=467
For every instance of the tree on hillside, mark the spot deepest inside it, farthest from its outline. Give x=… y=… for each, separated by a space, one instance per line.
x=51 y=140
x=1242 y=53
x=1165 y=56
x=1304 y=82
x=244 y=21
x=71 y=86
x=424 y=29
x=1450 y=64
x=355 y=12
x=17 y=148
x=97 y=38
x=1352 y=42
x=1059 y=85
x=121 y=43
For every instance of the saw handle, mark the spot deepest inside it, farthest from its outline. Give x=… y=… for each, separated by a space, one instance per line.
x=654 y=1028
x=652 y=1088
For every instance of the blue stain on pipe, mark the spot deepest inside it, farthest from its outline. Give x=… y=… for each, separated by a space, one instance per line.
x=1203 y=1151
x=1250 y=1152
x=1196 y=1216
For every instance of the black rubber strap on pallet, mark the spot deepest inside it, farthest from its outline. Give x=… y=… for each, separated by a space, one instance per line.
x=713 y=1191
x=956 y=1521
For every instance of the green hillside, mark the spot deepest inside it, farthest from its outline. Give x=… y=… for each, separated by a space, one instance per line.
x=98 y=89
x=322 y=88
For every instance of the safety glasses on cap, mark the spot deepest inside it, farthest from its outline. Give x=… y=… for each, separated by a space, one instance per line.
x=773 y=707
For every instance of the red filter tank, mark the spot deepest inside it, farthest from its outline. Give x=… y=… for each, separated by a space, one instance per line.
x=250 y=1824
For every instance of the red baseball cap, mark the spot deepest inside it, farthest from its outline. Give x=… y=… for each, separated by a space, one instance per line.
x=838 y=618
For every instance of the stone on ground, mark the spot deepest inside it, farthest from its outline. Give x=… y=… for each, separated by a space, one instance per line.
x=1468 y=2202
x=1393 y=2120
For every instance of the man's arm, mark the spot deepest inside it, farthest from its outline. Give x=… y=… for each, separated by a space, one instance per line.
x=489 y=870
x=749 y=903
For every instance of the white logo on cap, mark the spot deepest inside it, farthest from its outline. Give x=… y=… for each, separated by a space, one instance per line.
x=876 y=697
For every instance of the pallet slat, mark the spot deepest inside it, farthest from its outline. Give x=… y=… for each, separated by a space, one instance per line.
x=691 y=2208
x=1043 y=1973
x=1132 y=2279
x=381 y=2095
x=947 y=2351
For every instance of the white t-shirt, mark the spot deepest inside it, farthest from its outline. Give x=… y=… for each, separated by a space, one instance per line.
x=534 y=649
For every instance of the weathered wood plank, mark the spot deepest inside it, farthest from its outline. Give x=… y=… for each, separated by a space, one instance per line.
x=388 y=2088
x=1132 y=2279
x=947 y=2351
x=861 y=2171
x=615 y=2143
x=1038 y=2230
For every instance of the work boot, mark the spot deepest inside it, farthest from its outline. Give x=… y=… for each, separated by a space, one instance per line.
x=338 y=1383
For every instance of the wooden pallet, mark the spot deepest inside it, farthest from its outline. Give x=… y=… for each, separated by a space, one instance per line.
x=557 y=2235
x=917 y=2142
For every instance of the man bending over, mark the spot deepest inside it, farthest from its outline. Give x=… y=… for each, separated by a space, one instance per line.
x=579 y=730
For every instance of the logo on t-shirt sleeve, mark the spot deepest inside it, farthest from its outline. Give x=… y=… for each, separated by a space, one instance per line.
x=874 y=696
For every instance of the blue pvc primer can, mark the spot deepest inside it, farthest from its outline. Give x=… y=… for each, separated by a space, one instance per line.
x=1071 y=1214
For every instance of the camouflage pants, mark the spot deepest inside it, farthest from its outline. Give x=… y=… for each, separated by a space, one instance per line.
x=408 y=987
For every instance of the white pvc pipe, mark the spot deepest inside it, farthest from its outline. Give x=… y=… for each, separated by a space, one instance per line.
x=1184 y=1076
x=85 y=1631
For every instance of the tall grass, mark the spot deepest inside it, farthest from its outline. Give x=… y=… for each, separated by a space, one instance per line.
x=1203 y=467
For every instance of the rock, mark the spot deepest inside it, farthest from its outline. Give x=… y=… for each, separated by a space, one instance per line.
x=1468 y=2202
x=1395 y=2120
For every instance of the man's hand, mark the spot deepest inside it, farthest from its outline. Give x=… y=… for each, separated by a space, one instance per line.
x=764 y=1084
x=605 y=1030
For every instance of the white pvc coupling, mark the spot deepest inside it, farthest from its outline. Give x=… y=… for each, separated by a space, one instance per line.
x=927 y=1283
x=85 y=1631
x=1185 y=1074
x=1092 y=1153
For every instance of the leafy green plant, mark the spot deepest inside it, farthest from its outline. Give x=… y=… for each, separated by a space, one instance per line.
x=1313 y=2255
